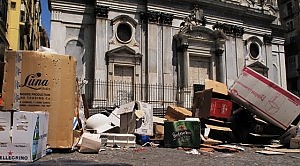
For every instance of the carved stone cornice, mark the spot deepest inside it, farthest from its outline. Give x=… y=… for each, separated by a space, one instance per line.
x=101 y=11
x=150 y=16
x=267 y=38
x=166 y=18
x=156 y=17
x=181 y=42
x=230 y=29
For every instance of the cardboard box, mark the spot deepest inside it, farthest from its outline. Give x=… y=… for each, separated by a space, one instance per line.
x=295 y=143
x=145 y=123
x=91 y=143
x=175 y=113
x=136 y=117
x=38 y=81
x=127 y=123
x=158 y=130
x=202 y=104
x=220 y=108
x=265 y=98
x=182 y=134
x=26 y=139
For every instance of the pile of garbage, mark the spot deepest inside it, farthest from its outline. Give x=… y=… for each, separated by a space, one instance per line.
x=252 y=111
x=40 y=88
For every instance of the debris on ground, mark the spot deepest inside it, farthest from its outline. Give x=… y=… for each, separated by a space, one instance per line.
x=254 y=111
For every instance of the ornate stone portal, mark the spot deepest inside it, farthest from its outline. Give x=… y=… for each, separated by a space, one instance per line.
x=197 y=50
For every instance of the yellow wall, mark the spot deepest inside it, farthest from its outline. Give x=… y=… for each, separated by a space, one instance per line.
x=13 y=21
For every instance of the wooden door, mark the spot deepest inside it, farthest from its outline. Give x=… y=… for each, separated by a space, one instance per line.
x=123 y=84
x=199 y=70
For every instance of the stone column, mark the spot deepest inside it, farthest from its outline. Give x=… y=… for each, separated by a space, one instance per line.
x=101 y=45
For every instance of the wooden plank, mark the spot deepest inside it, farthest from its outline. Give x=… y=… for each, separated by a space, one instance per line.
x=221 y=149
x=283 y=150
x=267 y=152
x=86 y=107
x=218 y=128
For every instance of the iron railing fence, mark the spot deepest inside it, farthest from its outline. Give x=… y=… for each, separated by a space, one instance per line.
x=106 y=95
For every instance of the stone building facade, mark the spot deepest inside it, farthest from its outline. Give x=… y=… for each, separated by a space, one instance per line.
x=3 y=40
x=178 y=42
x=289 y=11
x=23 y=32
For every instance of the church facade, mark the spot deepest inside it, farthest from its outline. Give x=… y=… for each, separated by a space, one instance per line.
x=173 y=42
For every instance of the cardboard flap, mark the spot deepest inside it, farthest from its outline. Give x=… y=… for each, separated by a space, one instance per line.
x=126 y=108
x=139 y=113
x=217 y=87
x=202 y=103
x=158 y=120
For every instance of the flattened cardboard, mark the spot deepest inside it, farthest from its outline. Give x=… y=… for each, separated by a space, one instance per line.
x=145 y=123
x=127 y=123
x=217 y=87
x=47 y=84
x=265 y=98
x=126 y=108
x=202 y=104
x=159 y=120
x=175 y=113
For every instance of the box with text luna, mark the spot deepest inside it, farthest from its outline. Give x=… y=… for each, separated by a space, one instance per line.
x=40 y=81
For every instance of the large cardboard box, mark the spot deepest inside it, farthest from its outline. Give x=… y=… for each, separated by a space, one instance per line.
x=25 y=139
x=265 y=98
x=38 y=81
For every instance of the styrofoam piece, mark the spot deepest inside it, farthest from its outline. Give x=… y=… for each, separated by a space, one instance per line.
x=122 y=140
x=114 y=117
x=96 y=121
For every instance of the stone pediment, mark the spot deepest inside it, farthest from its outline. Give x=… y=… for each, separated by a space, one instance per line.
x=123 y=51
x=260 y=68
x=258 y=64
x=123 y=54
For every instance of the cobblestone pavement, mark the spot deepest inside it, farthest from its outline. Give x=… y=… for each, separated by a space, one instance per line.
x=167 y=156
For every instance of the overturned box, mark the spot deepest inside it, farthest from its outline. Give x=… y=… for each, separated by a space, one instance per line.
x=265 y=98
x=182 y=134
x=23 y=139
x=37 y=81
